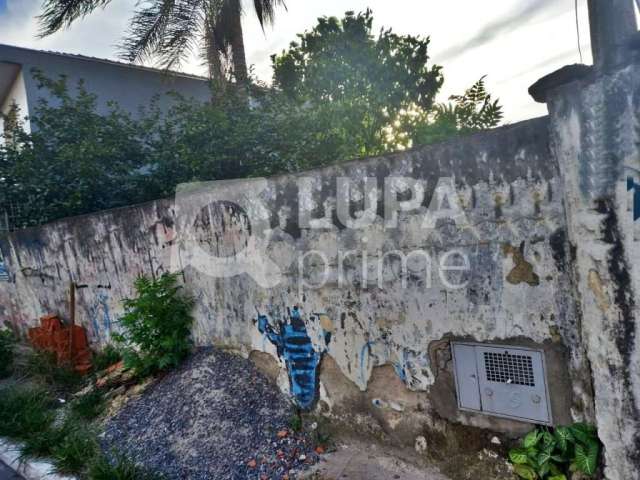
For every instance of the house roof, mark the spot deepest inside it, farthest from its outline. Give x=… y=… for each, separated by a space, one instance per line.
x=115 y=63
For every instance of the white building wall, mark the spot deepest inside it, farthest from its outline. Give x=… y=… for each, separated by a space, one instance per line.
x=17 y=95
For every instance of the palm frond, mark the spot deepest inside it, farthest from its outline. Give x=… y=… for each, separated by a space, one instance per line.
x=266 y=10
x=181 y=32
x=146 y=30
x=58 y=14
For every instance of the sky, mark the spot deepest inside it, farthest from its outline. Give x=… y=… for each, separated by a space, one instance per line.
x=513 y=42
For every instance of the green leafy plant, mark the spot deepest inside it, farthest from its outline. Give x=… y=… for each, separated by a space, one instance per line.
x=156 y=325
x=554 y=454
x=295 y=422
x=7 y=345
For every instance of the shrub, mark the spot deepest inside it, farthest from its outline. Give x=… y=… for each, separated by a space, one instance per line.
x=555 y=454
x=7 y=344
x=156 y=325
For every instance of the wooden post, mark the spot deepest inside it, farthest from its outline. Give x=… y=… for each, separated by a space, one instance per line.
x=612 y=24
x=72 y=317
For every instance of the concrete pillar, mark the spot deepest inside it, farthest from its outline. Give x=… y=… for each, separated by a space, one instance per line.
x=595 y=133
x=595 y=129
x=612 y=23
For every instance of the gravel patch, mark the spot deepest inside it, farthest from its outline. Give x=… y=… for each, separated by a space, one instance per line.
x=217 y=417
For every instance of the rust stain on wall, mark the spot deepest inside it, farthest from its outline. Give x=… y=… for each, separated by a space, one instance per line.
x=522 y=272
x=595 y=284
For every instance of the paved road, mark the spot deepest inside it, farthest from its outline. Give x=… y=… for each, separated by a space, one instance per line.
x=7 y=474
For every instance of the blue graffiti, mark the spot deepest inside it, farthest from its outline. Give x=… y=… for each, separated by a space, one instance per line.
x=99 y=314
x=401 y=367
x=4 y=273
x=364 y=356
x=294 y=345
x=632 y=185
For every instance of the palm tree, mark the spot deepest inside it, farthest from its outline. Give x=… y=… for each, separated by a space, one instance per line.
x=171 y=29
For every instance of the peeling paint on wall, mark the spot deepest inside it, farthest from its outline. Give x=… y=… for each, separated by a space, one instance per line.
x=522 y=271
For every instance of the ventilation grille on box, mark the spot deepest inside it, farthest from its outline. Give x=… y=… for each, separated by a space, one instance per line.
x=505 y=368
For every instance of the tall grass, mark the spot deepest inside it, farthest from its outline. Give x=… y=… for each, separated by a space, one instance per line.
x=24 y=411
x=31 y=415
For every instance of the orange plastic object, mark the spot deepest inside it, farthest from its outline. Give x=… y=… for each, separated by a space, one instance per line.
x=68 y=343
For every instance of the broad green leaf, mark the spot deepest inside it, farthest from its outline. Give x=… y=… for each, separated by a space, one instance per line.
x=587 y=457
x=548 y=439
x=583 y=432
x=563 y=436
x=518 y=456
x=543 y=457
x=532 y=438
x=558 y=477
x=526 y=472
x=543 y=469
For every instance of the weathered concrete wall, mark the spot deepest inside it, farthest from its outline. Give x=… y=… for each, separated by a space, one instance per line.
x=596 y=133
x=355 y=328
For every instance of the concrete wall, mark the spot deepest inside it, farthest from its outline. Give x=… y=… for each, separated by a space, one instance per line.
x=596 y=138
x=129 y=85
x=358 y=330
x=545 y=214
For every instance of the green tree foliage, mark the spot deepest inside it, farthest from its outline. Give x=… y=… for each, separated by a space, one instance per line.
x=75 y=161
x=359 y=82
x=340 y=93
x=156 y=325
x=473 y=111
x=372 y=94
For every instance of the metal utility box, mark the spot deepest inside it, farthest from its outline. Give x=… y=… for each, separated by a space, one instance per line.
x=504 y=381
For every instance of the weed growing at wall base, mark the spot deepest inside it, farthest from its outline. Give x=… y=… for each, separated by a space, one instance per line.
x=554 y=454
x=156 y=325
x=48 y=428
